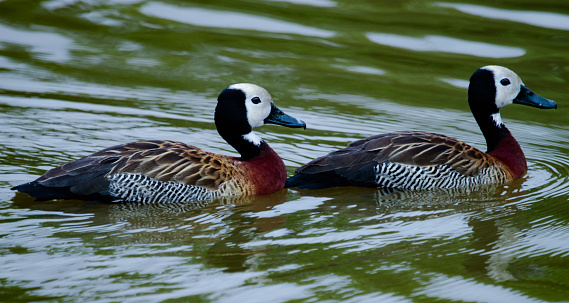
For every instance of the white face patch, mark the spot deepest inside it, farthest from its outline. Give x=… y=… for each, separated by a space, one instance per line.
x=507 y=84
x=253 y=138
x=257 y=102
x=497 y=119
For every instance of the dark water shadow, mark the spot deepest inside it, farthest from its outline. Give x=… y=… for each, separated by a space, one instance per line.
x=485 y=214
x=152 y=212
x=371 y=201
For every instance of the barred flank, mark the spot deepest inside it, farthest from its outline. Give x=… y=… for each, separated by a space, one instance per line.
x=135 y=187
x=402 y=176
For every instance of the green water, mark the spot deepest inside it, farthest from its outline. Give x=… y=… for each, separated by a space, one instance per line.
x=78 y=76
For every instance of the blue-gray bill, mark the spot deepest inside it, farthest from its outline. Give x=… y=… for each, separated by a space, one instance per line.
x=528 y=97
x=278 y=117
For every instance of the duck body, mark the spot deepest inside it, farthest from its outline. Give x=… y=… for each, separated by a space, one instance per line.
x=423 y=160
x=403 y=160
x=171 y=171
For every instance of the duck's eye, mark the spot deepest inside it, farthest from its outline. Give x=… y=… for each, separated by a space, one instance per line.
x=505 y=81
x=256 y=100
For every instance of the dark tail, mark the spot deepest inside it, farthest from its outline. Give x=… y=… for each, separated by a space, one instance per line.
x=43 y=193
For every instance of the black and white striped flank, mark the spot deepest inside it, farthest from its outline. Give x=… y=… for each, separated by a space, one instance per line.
x=139 y=188
x=402 y=176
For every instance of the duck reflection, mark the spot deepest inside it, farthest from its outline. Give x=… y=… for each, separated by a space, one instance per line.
x=382 y=201
x=487 y=236
x=474 y=206
x=456 y=199
x=189 y=222
x=225 y=233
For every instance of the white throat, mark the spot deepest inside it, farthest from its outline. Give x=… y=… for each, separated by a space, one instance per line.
x=497 y=119
x=253 y=138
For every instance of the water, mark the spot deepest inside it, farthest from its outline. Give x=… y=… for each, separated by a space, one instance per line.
x=79 y=76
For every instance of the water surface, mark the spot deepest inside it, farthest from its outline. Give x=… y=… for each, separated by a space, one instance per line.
x=78 y=76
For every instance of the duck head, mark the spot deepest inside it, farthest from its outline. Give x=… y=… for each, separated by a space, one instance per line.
x=242 y=107
x=493 y=87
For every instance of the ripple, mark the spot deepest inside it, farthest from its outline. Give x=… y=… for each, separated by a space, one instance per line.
x=51 y=104
x=544 y=238
x=461 y=289
x=7 y=63
x=438 y=202
x=100 y=17
x=361 y=69
x=225 y=19
x=26 y=83
x=301 y=204
x=547 y=177
x=460 y=83
x=45 y=45
x=319 y=3
x=59 y=4
x=123 y=211
x=433 y=43
x=541 y=19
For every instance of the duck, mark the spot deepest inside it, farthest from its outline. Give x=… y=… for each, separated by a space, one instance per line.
x=419 y=160
x=158 y=171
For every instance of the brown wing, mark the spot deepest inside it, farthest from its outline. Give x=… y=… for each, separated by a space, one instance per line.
x=428 y=149
x=354 y=165
x=175 y=161
x=160 y=160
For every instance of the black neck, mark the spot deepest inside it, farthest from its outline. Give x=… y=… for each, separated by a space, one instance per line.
x=493 y=133
x=482 y=101
x=247 y=149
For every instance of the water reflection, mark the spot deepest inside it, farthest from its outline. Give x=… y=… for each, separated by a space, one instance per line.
x=463 y=290
x=225 y=19
x=456 y=82
x=185 y=217
x=432 y=43
x=319 y=3
x=97 y=108
x=413 y=216
x=190 y=223
x=448 y=200
x=361 y=69
x=541 y=19
x=41 y=43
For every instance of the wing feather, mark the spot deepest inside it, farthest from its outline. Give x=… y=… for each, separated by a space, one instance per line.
x=356 y=163
x=160 y=160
